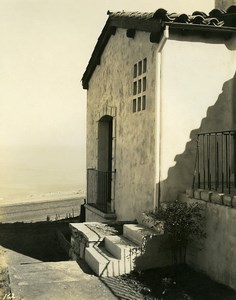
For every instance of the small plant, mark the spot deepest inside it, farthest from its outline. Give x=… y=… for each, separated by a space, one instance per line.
x=183 y=223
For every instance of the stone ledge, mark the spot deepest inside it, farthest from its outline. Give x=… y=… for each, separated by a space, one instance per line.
x=83 y=230
x=197 y=194
x=138 y=233
x=227 y=200
x=212 y=196
x=190 y=193
x=206 y=195
x=149 y=222
x=217 y=198
x=234 y=201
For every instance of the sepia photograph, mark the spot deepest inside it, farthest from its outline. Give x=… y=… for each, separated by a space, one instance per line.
x=117 y=150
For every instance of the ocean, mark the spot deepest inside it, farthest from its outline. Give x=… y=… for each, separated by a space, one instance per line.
x=41 y=173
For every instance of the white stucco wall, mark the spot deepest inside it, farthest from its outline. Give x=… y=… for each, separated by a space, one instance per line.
x=193 y=74
x=196 y=94
x=224 y=4
x=111 y=85
x=215 y=254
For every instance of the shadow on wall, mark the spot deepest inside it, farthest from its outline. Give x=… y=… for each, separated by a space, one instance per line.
x=221 y=116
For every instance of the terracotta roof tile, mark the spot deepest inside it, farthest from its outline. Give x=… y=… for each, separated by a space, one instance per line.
x=215 y=17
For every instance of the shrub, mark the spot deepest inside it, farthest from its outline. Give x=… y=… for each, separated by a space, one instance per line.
x=183 y=223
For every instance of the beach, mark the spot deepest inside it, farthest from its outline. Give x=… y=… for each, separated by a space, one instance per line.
x=46 y=210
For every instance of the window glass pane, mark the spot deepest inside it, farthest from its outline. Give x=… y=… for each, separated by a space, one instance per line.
x=135 y=88
x=144 y=65
x=135 y=70
x=144 y=103
x=134 y=105
x=139 y=103
x=139 y=86
x=144 y=84
x=140 y=67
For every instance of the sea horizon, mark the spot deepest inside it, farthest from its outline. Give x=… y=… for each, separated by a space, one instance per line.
x=40 y=173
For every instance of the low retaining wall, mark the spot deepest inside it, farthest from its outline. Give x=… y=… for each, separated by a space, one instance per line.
x=92 y=214
x=63 y=242
x=215 y=255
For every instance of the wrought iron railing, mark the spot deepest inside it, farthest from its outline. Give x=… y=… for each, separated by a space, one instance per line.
x=215 y=166
x=99 y=189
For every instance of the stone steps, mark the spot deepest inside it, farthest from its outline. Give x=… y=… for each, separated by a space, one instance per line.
x=115 y=255
x=85 y=231
x=137 y=233
x=97 y=262
x=119 y=246
x=103 y=263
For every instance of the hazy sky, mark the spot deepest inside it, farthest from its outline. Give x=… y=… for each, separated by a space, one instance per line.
x=45 y=46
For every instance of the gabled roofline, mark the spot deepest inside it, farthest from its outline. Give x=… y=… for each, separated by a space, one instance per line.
x=109 y=30
x=102 y=41
x=155 y=23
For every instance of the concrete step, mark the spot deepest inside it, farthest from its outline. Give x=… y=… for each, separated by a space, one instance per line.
x=155 y=248
x=120 y=247
x=82 y=229
x=97 y=262
x=103 y=263
x=137 y=233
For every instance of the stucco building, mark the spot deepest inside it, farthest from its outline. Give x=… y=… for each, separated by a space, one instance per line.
x=161 y=120
x=154 y=82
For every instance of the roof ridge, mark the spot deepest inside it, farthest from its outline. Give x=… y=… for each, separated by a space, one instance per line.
x=161 y=12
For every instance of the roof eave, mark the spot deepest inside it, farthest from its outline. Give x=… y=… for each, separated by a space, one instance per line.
x=201 y=27
x=110 y=28
x=95 y=57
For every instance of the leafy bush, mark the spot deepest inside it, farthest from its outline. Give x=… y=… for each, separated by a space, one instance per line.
x=183 y=223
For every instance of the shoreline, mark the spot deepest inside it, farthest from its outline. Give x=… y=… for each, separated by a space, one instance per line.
x=46 y=210
x=43 y=201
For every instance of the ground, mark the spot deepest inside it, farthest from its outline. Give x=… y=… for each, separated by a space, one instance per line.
x=4 y=281
x=38 y=240
x=180 y=283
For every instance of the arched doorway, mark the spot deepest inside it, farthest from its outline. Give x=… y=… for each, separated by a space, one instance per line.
x=105 y=144
x=104 y=163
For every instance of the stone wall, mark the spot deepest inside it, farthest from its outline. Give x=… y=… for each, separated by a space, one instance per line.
x=215 y=255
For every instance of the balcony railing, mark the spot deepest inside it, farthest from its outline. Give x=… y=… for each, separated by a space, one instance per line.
x=99 y=189
x=215 y=161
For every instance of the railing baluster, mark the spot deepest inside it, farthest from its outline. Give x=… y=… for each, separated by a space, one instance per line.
x=215 y=163
x=198 y=163
x=222 y=163
x=229 y=168
x=226 y=161
x=215 y=160
x=99 y=189
x=234 y=159
x=208 y=161
x=204 y=170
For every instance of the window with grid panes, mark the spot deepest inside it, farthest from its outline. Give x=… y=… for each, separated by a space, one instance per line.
x=139 y=100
